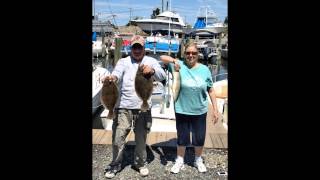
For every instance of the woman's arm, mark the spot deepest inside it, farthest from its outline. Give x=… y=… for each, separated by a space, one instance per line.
x=214 y=105
x=168 y=59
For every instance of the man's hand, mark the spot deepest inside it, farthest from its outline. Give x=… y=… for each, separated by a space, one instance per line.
x=147 y=70
x=109 y=78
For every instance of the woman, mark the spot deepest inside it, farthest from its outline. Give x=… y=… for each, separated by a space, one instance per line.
x=191 y=106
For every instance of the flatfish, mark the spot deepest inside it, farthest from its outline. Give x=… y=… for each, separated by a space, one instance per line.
x=176 y=84
x=144 y=88
x=109 y=96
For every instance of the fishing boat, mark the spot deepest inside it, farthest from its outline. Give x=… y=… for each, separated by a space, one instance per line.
x=97 y=74
x=100 y=29
x=207 y=21
x=221 y=92
x=161 y=23
x=162 y=44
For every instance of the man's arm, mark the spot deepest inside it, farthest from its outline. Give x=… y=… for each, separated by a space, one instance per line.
x=159 y=73
x=116 y=73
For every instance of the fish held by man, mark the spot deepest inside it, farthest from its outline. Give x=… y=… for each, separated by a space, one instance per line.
x=143 y=87
x=109 y=96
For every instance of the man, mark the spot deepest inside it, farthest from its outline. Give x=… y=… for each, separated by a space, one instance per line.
x=127 y=110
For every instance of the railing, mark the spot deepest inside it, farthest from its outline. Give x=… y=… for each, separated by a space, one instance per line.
x=215 y=76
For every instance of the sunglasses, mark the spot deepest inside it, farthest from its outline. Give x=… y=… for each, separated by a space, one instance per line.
x=193 y=53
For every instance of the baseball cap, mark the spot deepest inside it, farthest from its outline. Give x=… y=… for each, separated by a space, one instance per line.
x=137 y=39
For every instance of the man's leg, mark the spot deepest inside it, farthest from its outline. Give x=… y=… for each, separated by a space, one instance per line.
x=141 y=130
x=120 y=129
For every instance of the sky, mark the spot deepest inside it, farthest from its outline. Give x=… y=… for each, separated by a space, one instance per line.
x=188 y=9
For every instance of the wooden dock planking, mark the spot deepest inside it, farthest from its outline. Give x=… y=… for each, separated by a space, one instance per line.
x=152 y=138
x=162 y=137
x=224 y=140
x=216 y=141
x=213 y=140
x=208 y=142
x=98 y=136
x=107 y=138
x=94 y=132
x=216 y=136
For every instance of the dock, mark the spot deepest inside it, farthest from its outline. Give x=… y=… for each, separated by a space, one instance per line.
x=216 y=136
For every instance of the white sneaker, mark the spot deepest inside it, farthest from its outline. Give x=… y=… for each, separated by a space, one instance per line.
x=201 y=167
x=177 y=166
x=143 y=171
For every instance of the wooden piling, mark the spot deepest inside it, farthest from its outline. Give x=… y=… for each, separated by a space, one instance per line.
x=117 y=51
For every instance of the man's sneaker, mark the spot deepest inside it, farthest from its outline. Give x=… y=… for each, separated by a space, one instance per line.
x=201 y=167
x=143 y=171
x=177 y=166
x=111 y=171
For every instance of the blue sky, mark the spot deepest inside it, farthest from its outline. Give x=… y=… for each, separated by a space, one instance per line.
x=187 y=9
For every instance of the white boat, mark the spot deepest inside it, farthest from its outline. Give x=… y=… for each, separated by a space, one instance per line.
x=161 y=22
x=97 y=74
x=207 y=21
x=207 y=51
x=221 y=92
x=162 y=44
x=99 y=31
x=98 y=48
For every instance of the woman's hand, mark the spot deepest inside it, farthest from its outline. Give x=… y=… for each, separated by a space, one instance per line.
x=176 y=65
x=216 y=116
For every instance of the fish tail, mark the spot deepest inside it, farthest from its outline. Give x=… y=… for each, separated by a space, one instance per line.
x=175 y=96
x=110 y=114
x=144 y=106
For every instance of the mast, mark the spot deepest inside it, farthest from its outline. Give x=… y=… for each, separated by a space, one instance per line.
x=169 y=34
x=206 y=15
x=94 y=7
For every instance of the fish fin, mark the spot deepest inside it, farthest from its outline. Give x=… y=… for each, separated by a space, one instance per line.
x=144 y=106
x=110 y=114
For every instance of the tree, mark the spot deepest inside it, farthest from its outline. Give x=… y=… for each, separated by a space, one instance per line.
x=226 y=20
x=155 y=12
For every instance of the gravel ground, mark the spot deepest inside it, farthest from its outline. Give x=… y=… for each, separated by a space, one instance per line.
x=160 y=160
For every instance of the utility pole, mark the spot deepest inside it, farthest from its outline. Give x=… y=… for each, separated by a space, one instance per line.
x=130 y=17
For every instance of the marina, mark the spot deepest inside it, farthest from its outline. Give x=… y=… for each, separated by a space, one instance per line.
x=166 y=32
x=163 y=130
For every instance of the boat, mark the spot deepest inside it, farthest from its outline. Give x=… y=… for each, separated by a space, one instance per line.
x=97 y=74
x=162 y=44
x=220 y=86
x=207 y=52
x=161 y=23
x=207 y=21
x=100 y=29
x=224 y=52
x=126 y=43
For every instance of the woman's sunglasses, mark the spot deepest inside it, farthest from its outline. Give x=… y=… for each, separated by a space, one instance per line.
x=193 y=53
